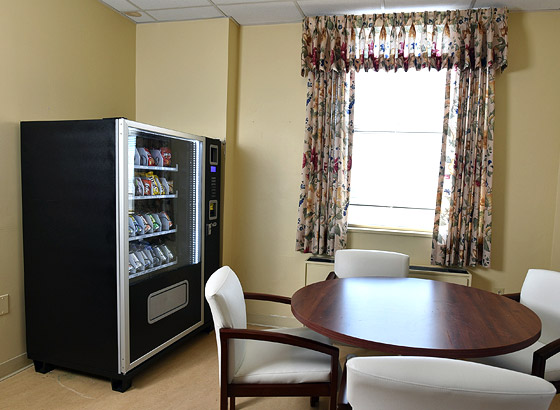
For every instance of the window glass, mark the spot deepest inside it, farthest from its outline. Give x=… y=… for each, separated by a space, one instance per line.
x=397 y=143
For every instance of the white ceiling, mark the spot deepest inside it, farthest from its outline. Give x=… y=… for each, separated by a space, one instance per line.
x=251 y=12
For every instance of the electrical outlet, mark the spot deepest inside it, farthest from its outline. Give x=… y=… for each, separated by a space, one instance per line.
x=500 y=291
x=4 y=306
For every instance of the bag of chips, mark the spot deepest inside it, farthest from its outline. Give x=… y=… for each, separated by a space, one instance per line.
x=143 y=156
x=166 y=222
x=161 y=255
x=150 y=161
x=138 y=186
x=164 y=186
x=158 y=159
x=166 y=156
x=156 y=226
x=147 y=186
x=143 y=222
x=153 y=184
x=167 y=252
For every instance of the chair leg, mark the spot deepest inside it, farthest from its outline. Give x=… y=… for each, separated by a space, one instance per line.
x=223 y=398
x=332 y=404
x=232 y=403
x=314 y=401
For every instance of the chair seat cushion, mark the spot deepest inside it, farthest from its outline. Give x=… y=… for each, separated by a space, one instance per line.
x=522 y=361
x=267 y=362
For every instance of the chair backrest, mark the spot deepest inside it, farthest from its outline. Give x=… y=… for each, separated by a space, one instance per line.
x=407 y=383
x=224 y=294
x=361 y=262
x=541 y=294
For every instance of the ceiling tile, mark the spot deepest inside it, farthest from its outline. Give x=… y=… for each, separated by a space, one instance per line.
x=189 y=13
x=423 y=5
x=120 y=5
x=520 y=4
x=169 y=4
x=263 y=13
x=336 y=7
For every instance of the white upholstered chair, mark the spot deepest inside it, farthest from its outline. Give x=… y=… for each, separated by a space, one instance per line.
x=282 y=362
x=364 y=262
x=429 y=383
x=540 y=293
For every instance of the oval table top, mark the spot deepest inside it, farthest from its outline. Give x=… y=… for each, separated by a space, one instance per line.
x=410 y=316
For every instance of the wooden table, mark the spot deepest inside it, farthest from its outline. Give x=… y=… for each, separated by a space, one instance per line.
x=416 y=317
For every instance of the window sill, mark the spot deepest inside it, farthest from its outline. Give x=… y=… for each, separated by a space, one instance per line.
x=385 y=231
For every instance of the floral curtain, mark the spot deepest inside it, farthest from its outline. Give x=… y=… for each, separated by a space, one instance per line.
x=470 y=43
x=463 y=218
x=327 y=159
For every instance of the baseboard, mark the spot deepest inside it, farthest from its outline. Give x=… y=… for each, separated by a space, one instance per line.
x=14 y=365
x=272 y=320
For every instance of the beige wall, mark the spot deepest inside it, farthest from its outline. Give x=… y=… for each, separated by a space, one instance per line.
x=270 y=137
x=526 y=155
x=186 y=79
x=182 y=76
x=269 y=151
x=61 y=59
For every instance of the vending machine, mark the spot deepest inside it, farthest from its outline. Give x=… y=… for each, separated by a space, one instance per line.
x=121 y=230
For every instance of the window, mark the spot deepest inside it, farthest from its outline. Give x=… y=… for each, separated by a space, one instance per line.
x=398 y=125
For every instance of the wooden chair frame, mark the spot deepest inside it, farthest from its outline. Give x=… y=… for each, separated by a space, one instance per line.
x=313 y=390
x=541 y=355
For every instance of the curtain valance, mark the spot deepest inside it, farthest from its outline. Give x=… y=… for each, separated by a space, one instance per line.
x=466 y=39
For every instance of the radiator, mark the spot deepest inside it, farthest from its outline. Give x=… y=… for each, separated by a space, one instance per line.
x=459 y=276
x=317 y=269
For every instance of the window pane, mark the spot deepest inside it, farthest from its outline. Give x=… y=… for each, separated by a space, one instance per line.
x=411 y=101
x=397 y=143
x=394 y=169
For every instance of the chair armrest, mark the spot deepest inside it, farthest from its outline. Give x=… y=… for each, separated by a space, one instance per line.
x=513 y=296
x=267 y=297
x=331 y=276
x=277 y=337
x=541 y=355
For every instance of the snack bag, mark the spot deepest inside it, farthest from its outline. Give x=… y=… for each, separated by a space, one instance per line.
x=157 y=219
x=166 y=156
x=138 y=230
x=131 y=226
x=148 y=221
x=136 y=157
x=147 y=186
x=161 y=255
x=156 y=260
x=143 y=223
x=164 y=186
x=159 y=186
x=140 y=258
x=167 y=252
x=142 y=153
x=170 y=185
x=158 y=159
x=138 y=186
x=152 y=178
x=150 y=161
x=156 y=226
x=147 y=260
x=134 y=261
x=166 y=223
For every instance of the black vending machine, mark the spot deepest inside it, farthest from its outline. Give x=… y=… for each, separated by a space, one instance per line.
x=121 y=230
